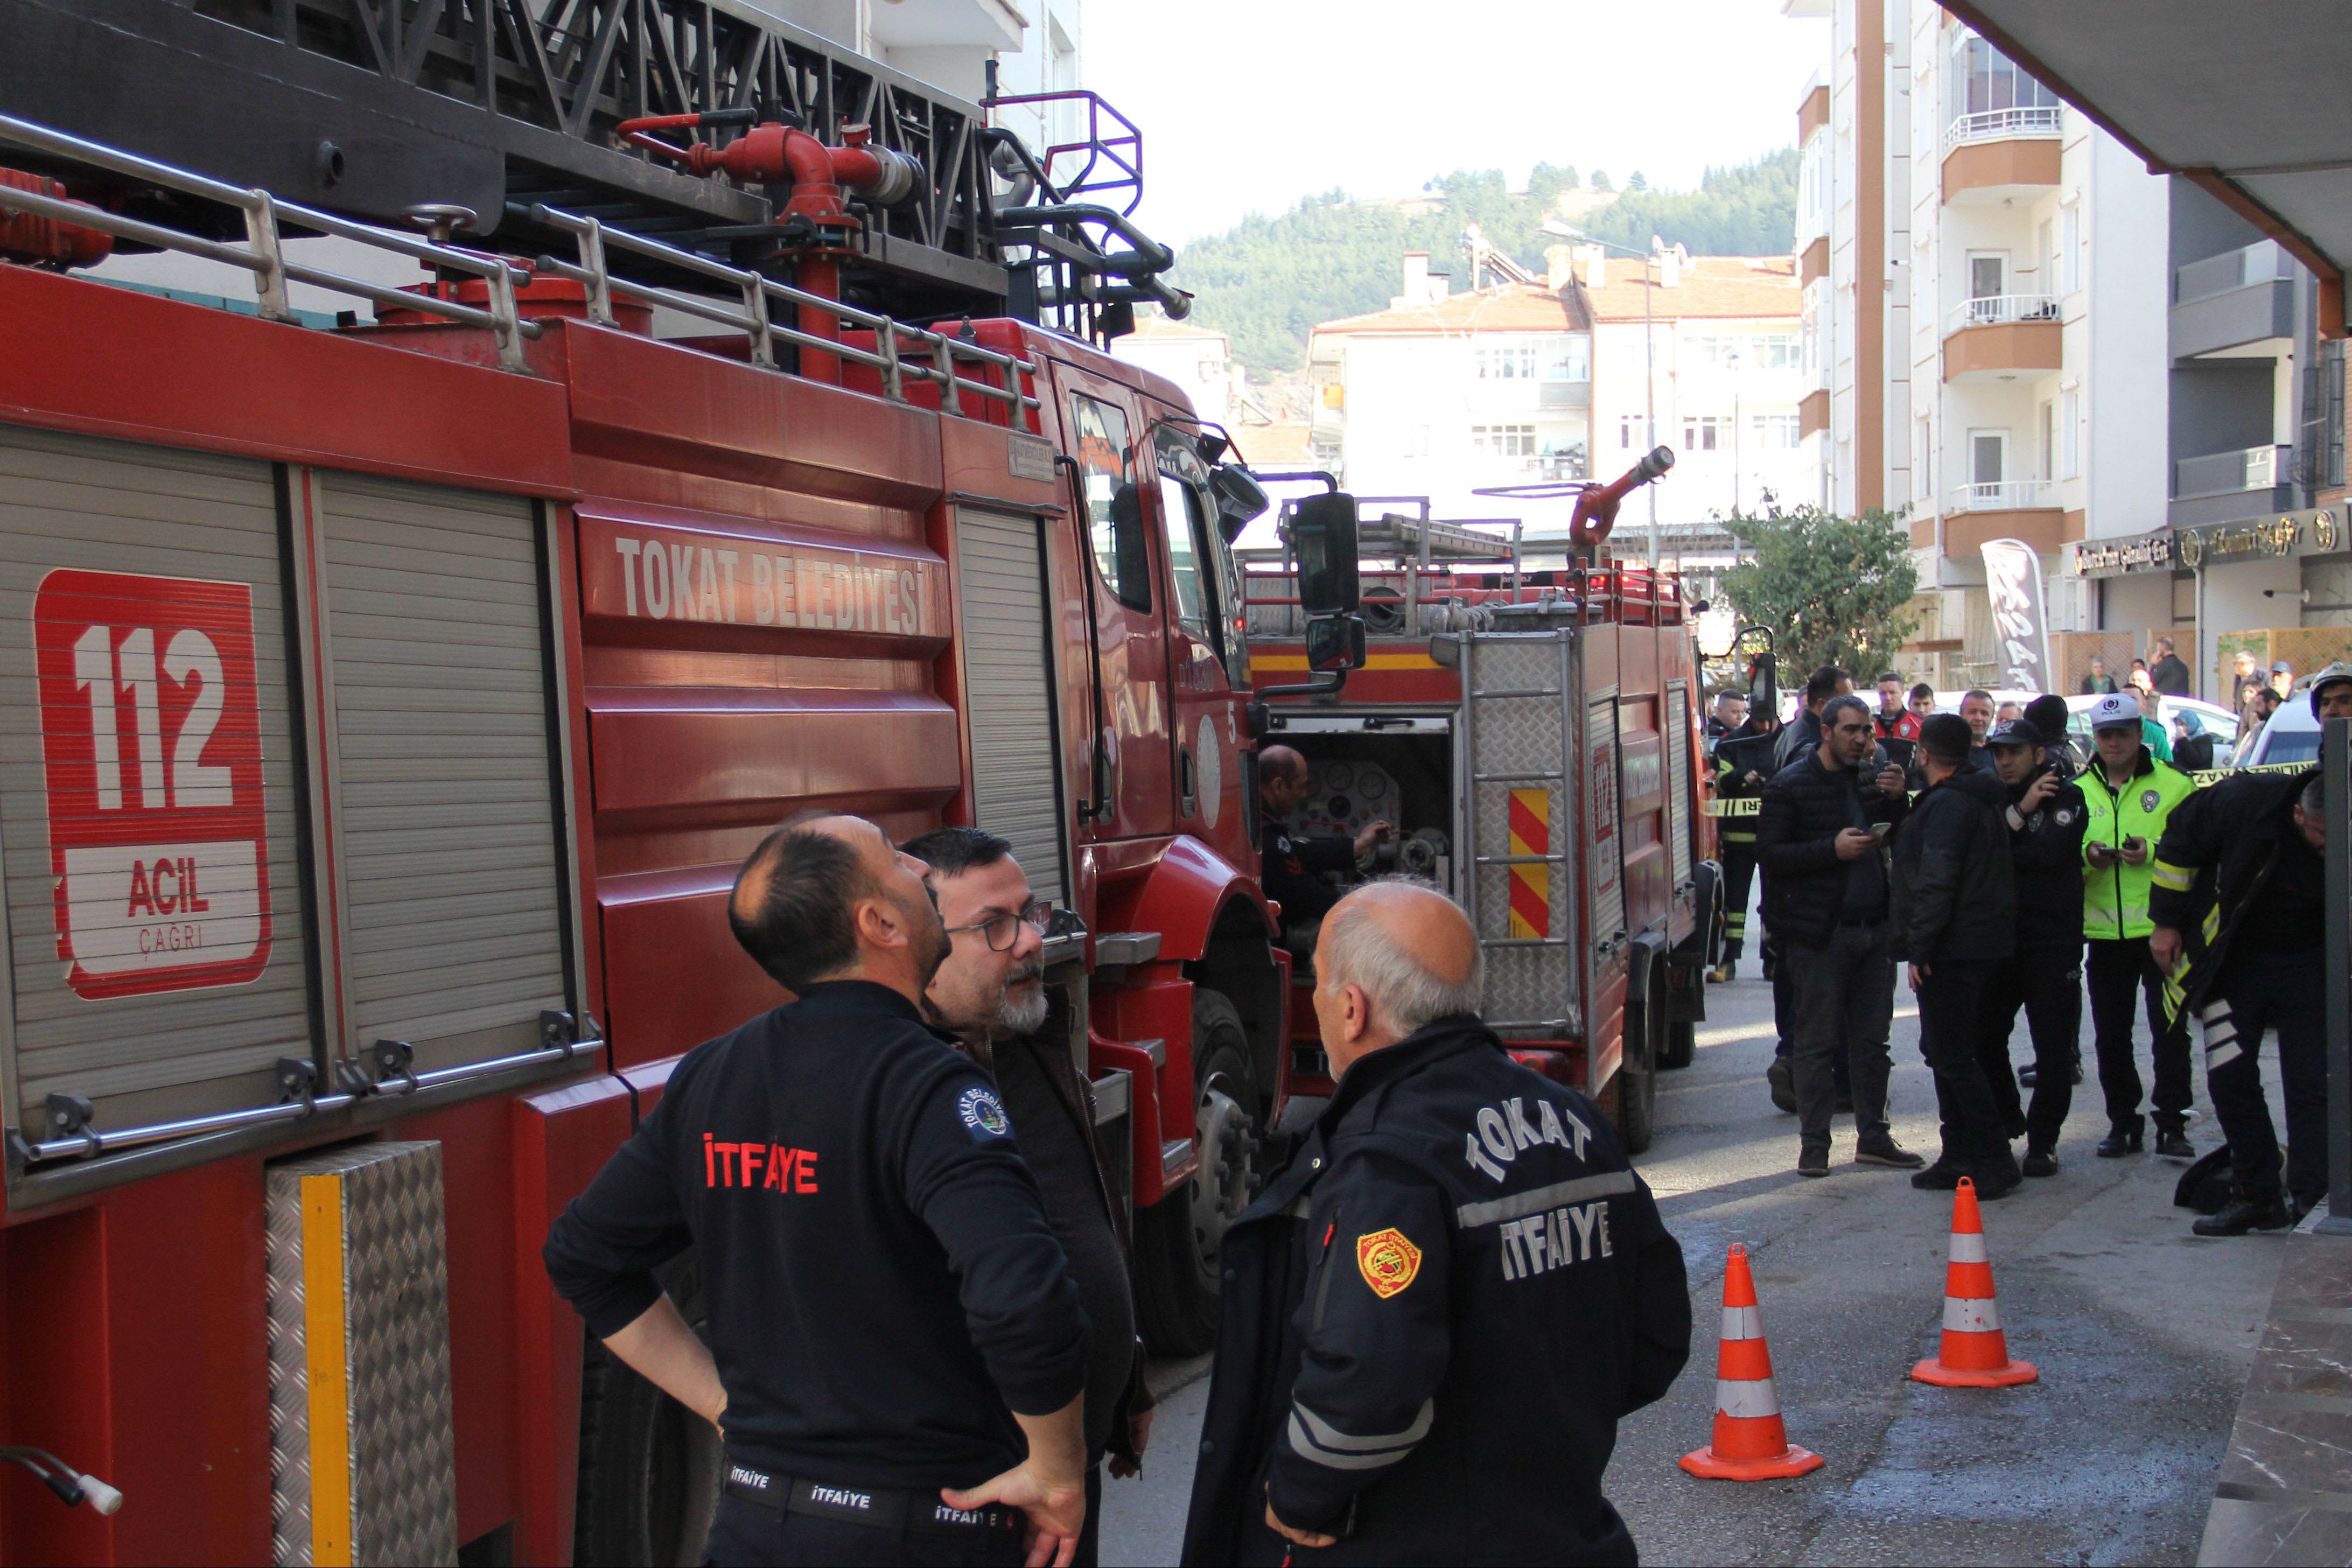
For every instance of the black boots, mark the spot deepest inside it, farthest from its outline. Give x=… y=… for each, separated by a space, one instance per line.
x=2120 y=1142
x=2243 y=1213
x=2040 y=1162
x=2172 y=1143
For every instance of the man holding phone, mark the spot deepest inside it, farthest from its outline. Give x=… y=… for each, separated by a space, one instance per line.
x=2129 y=798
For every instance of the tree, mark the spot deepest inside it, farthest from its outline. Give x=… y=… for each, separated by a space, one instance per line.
x=1601 y=179
x=1834 y=589
x=1636 y=182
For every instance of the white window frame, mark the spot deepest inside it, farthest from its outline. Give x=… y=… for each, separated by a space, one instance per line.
x=2070 y=432
x=1984 y=432
x=2070 y=257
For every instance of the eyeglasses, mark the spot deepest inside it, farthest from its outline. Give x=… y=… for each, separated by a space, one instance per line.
x=1001 y=931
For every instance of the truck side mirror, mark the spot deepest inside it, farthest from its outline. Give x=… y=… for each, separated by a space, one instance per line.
x=1240 y=498
x=1763 y=687
x=1323 y=537
x=1335 y=642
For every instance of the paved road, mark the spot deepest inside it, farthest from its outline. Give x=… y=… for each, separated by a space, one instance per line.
x=2144 y=1335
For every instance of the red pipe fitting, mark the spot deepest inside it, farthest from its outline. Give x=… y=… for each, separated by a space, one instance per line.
x=769 y=153
x=45 y=241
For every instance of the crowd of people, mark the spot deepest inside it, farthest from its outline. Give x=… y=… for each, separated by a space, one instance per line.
x=2004 y=873
x=920 y=1340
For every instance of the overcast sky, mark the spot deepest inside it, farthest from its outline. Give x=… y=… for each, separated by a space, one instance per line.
x=1247 y=105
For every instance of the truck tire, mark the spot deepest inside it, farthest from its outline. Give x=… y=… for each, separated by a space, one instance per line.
x=1178 y=1239
x=1637 y=1073
x=649 y=1468
x=1681 y=1048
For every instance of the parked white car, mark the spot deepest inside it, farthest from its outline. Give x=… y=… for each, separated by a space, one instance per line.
x=2291 y=735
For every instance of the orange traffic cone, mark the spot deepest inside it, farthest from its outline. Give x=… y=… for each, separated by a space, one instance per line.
x=1975 y=1353
x=1751 y=1444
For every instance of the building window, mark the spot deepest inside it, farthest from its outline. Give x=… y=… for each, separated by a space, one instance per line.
x=1706 y=433
x=2070 y=254
x=1985 y=79
x=1506 y=359
x=1631 y=432
x=1503 y=440
x=1987 y=465
x=2070 y=438
x=1775 y=351
x=2046 y=448
x=1923 y=458
x=1774 y=432
x=1568 y=357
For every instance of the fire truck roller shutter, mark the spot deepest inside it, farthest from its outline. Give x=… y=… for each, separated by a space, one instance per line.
x=447 y=832
x=1008 y=669
x=148 y=1012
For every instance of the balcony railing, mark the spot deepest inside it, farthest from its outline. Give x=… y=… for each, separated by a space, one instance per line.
x=2261 y=262
x=2002 y=495
x=2001 y=125
x=2002 y=309
x=2228 y=473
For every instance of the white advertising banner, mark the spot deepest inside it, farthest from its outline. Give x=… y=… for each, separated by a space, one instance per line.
x=2020 y=620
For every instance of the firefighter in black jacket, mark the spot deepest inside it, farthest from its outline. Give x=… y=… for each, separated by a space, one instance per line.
x=1739 y=769
x=1293 y=864
x=1436 y=1313
x=890 y=1316
x=1955 y=923
x=2239 y=887
x=2045 y=818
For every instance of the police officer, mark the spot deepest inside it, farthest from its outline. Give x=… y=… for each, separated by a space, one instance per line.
x=2130 y=797
x=890 y=1317
x=2045 y=818
x=1292 y=862
x=2247 y=852
x=1436 y=1315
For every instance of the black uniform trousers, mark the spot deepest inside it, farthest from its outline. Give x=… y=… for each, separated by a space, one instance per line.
x=1955 y=1015
x=2280 y=991
x=2120 y=971
x=745 y=1535
x=2047 y=984
x=1739 y=881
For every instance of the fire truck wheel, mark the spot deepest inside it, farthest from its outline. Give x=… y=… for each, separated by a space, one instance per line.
x=1637 y=1075
x=650 y=1468
x=1178 y=1238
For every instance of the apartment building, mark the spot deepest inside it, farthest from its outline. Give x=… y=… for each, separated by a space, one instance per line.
x=2014 y=330
x=1447 y=394
x=949 y=43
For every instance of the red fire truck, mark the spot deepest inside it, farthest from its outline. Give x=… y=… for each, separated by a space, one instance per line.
x=389 y=700
x=1532 y=736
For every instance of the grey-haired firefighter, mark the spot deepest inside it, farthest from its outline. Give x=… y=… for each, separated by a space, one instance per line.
x=1435 y=1314
x=2239 y=887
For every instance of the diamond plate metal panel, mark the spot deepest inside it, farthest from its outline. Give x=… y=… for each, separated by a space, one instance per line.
x=1678 y=781
x=400 y=1447
x=1519 y=692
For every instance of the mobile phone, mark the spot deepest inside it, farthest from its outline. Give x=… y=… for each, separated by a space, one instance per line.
x=1879 y=830
x=2134 y=842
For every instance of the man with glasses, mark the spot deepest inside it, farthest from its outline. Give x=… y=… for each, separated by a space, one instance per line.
x=990 y=994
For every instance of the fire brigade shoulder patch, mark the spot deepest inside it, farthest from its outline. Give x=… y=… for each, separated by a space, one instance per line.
x=1388 y=1261
x=982 y=1114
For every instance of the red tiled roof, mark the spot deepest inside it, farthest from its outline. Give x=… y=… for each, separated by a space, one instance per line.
x=1723 y=287
x=1718 y=286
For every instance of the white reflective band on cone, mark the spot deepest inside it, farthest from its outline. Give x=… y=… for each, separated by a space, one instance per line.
x=1966 y=1317
x=1743 y=1323
x=1746 y=1401
x=1968 y=1248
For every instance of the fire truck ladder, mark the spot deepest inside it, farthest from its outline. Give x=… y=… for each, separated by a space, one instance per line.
x=369 y=109
x=901 y=352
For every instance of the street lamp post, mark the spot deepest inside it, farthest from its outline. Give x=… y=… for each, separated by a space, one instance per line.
x=1649 y=355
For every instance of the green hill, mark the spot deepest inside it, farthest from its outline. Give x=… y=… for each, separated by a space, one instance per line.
x=1268 y=280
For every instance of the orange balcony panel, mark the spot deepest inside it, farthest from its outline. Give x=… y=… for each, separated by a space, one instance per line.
x=1976 y=353
x=2042 y=527
x=1814 y=261
x=1923 y=533
x=2002 y=167
x=1813 y=114
x=1814 y=413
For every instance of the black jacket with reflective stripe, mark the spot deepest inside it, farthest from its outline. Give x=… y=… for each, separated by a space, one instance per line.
x=2215 y=857
x=1433 y=1318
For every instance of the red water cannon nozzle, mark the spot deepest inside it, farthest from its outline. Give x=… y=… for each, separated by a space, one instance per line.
x=771 y=153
